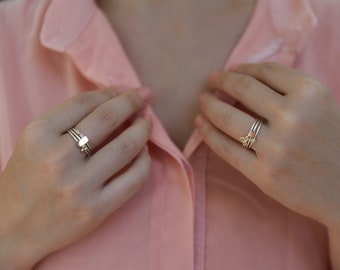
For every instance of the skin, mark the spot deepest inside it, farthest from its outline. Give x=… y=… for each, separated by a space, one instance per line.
x=91 y=190
x=57 y=185
x=300 y=127
x=174 y=38
x=40 y=165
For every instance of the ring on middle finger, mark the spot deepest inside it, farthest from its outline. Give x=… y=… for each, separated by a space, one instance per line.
x=81 y=140
x=250 y=139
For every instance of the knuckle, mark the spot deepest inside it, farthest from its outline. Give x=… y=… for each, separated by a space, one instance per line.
x=106 y=115
x=84 y=98
x=241 y=88
x=289 y=120
x=244 y=81
x=145 y=126
x=128 y=147
x=225 y=117
x=137 y=181
x=312 y=89
x=264 y=69
x=29 y=133
x=134 y=100
x=33 y=133
x=295 y=125
x=307 y=84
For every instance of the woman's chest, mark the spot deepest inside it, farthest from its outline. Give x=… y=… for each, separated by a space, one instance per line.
x=174 y=55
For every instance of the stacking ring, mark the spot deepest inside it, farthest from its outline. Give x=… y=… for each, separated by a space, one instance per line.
x=81 y=140
x=250 y=139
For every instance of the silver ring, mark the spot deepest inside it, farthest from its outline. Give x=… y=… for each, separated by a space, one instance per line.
x=250 y=139
x=81 y=140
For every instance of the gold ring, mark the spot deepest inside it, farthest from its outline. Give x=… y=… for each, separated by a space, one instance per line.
x=250 y=139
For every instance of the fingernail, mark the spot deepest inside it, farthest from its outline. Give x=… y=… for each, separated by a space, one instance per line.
x=144 y=92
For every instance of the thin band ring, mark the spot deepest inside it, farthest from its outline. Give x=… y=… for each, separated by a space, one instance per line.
x=81 y=140
x=250 y=139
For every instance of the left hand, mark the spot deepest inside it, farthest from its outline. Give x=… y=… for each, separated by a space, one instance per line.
x=295 y=159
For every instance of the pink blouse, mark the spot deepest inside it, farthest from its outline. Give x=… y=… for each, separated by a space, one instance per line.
x=195 y=212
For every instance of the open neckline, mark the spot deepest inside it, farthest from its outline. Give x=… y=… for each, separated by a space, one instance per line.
x=243 y=36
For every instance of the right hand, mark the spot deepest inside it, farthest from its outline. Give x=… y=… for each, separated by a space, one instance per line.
x=50 y=194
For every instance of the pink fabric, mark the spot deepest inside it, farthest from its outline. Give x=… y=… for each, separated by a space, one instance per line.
x=195 y=212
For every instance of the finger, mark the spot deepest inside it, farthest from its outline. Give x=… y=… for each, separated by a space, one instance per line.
x=280 y=78
x=69 y=113
x=107 y=117
x=121 y=188
x=229 y=119
x=229 y=150
x=114 y=156
x=253 y=94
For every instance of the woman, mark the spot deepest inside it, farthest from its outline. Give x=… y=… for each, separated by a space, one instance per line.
x=239 y=171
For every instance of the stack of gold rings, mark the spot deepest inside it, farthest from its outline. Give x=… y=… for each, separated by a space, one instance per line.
x=249 y=140
x=81 y=140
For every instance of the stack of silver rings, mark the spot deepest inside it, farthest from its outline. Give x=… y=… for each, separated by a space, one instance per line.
x=81 y=140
